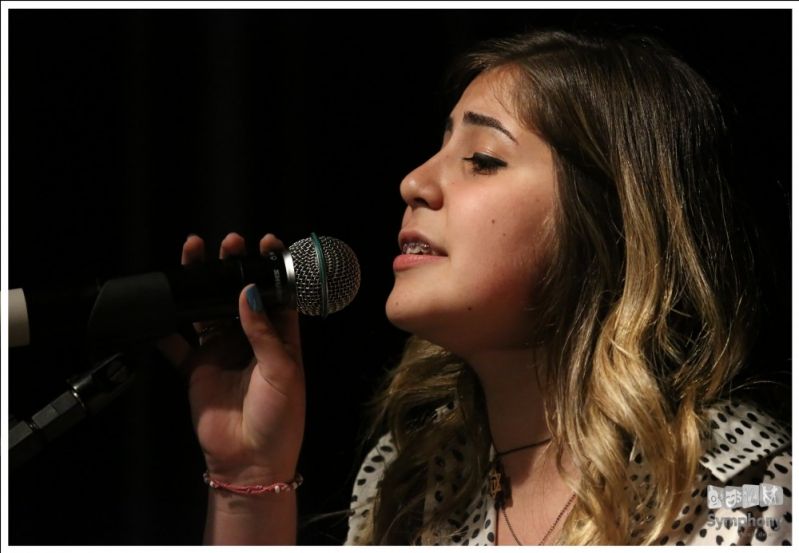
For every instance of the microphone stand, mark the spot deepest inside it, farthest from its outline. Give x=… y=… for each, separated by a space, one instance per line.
x=88 y=393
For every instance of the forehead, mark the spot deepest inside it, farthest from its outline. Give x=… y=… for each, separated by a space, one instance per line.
x=491 y=93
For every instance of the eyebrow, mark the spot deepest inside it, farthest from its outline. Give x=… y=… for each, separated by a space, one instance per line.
x=472 y=118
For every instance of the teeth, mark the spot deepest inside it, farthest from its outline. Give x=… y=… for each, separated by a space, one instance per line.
x=417 y=248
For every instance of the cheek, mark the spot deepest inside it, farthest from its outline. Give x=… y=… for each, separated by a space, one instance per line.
x=499 y=279
x=504 y=250
x=504 y=231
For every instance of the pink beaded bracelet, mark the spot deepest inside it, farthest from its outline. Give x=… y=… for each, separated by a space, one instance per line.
x=258 y=489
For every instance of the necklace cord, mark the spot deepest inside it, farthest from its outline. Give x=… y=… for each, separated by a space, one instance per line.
x=551 y=528
x=501 y=501
x=515 y=449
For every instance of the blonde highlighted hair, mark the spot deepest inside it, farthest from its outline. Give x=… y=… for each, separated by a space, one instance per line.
x=647 y=308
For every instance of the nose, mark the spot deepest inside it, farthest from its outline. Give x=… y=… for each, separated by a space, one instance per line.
x=422 y=186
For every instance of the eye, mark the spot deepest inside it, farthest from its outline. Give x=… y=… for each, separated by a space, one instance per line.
x=485 y=165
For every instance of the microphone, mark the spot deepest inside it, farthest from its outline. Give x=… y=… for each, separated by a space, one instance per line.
x=316 y=276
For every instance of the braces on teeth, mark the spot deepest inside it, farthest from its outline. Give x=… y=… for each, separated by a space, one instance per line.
x=417 y=248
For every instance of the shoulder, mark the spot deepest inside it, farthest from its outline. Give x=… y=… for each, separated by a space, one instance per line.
x=742 y=435
x=367 y=483
x=743 y=490
x=365 y=488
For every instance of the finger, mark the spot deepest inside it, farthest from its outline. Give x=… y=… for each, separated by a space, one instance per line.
x=277 y=359
x=193 y=252
x=270 y=243
x=232 y=244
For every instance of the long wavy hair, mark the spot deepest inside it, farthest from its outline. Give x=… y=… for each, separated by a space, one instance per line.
x=647 y=308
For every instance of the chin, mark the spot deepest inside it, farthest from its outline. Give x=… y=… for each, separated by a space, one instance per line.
x=455 y=330
x=421 y=319
x=403 y=314
x=408 y=317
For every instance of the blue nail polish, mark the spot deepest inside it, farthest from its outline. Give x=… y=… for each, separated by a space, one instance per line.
x=254 y=299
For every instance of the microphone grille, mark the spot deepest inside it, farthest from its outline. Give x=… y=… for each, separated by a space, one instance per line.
x=343 y=275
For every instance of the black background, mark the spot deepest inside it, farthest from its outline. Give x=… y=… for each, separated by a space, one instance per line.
x=131 y=129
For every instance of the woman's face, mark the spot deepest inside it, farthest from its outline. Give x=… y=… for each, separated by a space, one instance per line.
x=485 y=200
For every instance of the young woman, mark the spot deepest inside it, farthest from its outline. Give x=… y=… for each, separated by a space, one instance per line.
x=579 y=300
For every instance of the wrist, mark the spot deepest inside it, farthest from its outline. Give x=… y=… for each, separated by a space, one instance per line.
x=234 y=519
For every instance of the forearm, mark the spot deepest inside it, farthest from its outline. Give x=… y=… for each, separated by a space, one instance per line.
x=232 y=519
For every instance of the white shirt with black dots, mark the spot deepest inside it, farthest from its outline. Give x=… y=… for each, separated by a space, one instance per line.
x=747 y=447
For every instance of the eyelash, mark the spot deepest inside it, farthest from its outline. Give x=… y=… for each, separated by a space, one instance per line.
x=485 y=165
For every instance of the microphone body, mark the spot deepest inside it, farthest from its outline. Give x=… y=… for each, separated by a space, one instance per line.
x=317 y=276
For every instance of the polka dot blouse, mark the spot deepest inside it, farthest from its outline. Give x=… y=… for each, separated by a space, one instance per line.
x=746 y=447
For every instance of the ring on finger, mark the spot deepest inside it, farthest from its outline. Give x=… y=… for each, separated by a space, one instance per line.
x=212 y=329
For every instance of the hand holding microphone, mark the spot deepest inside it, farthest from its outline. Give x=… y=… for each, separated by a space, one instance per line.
x=249 y=421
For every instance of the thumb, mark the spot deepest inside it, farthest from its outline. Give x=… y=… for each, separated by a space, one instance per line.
x=278 y=356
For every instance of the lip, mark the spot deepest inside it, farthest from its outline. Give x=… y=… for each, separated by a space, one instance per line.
x=411 y=235
x=408 y=260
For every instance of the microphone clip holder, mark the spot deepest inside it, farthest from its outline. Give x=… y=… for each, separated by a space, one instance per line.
x=88 y=393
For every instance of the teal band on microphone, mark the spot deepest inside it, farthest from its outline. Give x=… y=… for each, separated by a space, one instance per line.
x=320 y=259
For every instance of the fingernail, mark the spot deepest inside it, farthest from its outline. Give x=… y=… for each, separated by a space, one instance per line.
x=190 y=235
x=254 y=299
